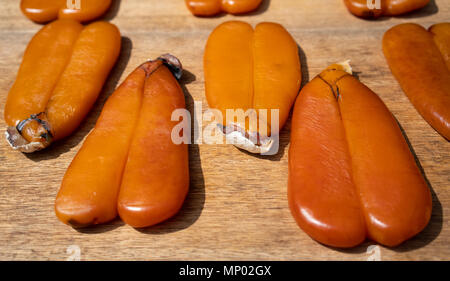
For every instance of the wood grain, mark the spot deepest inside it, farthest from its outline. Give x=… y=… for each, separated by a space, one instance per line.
x=237 y=206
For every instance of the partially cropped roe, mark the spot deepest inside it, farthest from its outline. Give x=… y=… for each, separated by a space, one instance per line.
x=207 y=8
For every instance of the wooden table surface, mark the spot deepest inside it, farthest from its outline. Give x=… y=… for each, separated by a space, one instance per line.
x=237 y=205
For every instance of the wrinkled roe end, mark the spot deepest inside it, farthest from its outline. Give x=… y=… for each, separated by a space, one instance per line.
x=251 y=142
x=174 y=65
x=31 y=134
x=17 y=142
